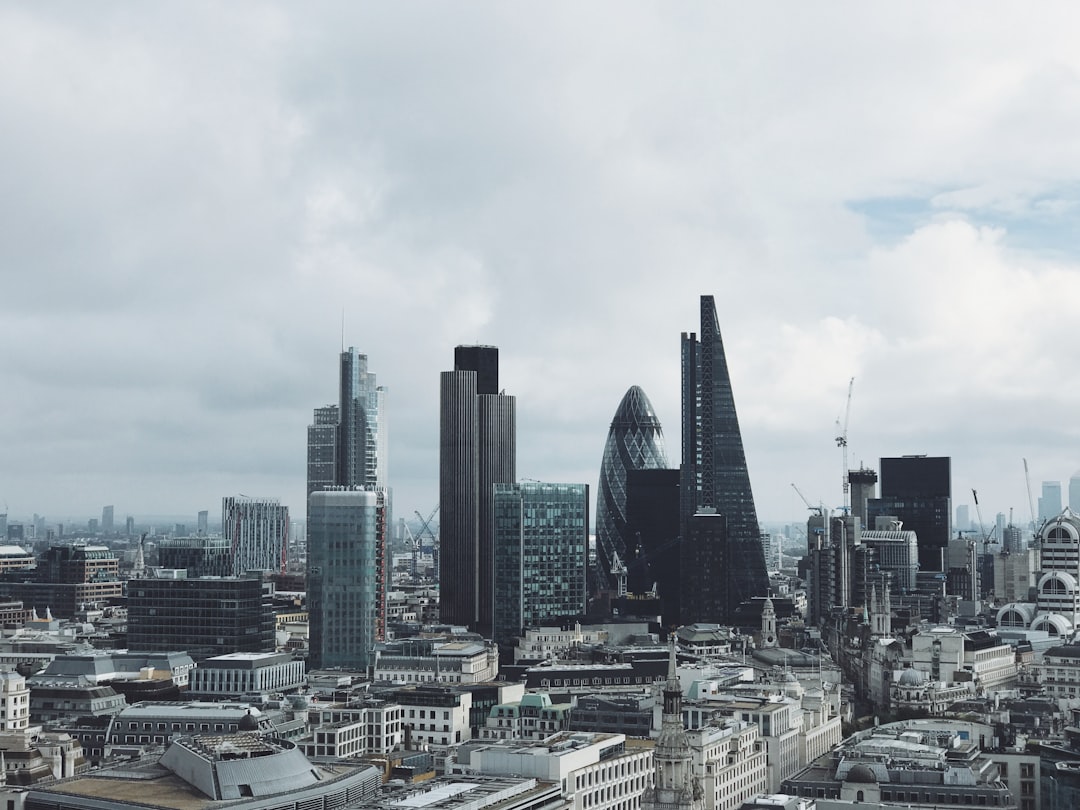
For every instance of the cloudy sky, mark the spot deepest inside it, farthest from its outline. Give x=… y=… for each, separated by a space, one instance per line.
x=195 y=193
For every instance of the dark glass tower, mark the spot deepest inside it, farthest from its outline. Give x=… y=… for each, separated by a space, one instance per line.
x=477 y=449
x=715 y=476
x=635 y=441
x=918 y=491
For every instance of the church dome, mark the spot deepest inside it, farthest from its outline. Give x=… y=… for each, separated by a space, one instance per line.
x=912 y=677
x=862 y=774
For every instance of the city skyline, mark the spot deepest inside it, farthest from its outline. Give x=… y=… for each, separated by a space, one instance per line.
x=191 y=219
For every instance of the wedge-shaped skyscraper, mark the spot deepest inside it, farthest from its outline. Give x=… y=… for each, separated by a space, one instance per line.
x=725 y=565
x=634 y=442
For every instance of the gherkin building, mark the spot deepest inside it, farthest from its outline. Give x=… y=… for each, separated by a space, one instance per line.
x=634 y=442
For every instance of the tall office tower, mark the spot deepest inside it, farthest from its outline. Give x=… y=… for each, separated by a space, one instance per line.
x=839 y=564
x=258 y=532
x=129 y=526
x=204 y=522
x=963 y=518
x=3 y=525
x=863 y=485
x=714 y=476
x=361 y=434
x=477 y=449
x=106 y=520
x=348 y=442
x=1074 y=493
x=652 y=514
x=541 y=555
x=347 y=575
x=1050 y=501
x=635 y=441
x=917 y=490
x=999 y=528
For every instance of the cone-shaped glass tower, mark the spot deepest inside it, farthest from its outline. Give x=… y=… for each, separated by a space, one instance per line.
x=634 y=442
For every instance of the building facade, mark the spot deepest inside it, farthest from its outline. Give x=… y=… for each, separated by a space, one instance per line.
x=918 y=491
x=635 y=441
x=258 y=533
x=347 y=575
x=541 y=546
x=477 y=449
x=715 y=476
x=206 y=616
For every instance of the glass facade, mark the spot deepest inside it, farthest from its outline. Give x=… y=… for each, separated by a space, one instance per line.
x=715 y=475
x=347 y=576
x=541 y=542
x=635 y=441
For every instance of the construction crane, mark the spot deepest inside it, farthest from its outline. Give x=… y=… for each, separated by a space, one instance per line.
x=425 y=525
x=798 y=492
x=982 y=533
x=1031 y=501
x=841 y=442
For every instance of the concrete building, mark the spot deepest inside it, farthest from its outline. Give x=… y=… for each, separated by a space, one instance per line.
x=235 y=675
x=435 y=660
x=372 y=726
x=600 y=771
x=244 y=770
x=951 y=655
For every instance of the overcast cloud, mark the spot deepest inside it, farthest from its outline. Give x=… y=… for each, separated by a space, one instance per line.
x=194 y=193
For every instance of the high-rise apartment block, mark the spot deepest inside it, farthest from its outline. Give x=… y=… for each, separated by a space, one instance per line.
x=203 y=522
x=918 y=490
x=541 y=548
x=477 y=449
x=348 y=442
x=347 y=575
x=258 y=532
x=715 y=482
x=635 y=441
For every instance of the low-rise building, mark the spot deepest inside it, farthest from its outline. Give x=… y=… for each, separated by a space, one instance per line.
x=235 y=675
x=442 y=660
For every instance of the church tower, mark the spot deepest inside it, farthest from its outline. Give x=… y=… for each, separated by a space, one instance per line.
x=674 y=786
x=768 y=624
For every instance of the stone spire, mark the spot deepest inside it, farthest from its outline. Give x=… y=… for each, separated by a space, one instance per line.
x=674 y=785
x=768 y=624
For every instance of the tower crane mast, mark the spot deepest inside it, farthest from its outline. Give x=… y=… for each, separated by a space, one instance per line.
x=842 y=443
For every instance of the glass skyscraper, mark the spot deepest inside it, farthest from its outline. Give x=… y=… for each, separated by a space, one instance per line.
x=635 y=441
x=477 y=449
x=715 y=477
x=541 y=547
x=348 y=442
x=347 y=575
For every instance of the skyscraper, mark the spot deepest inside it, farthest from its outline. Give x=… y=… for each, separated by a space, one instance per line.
x=635 y=441
x=1074 y=493
x=347 y=575
x=477 y=449
x=106 y=520
x=917 y=490
x=258 y=532
x=715 y=476
x=348 y=442
x=541 y=547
